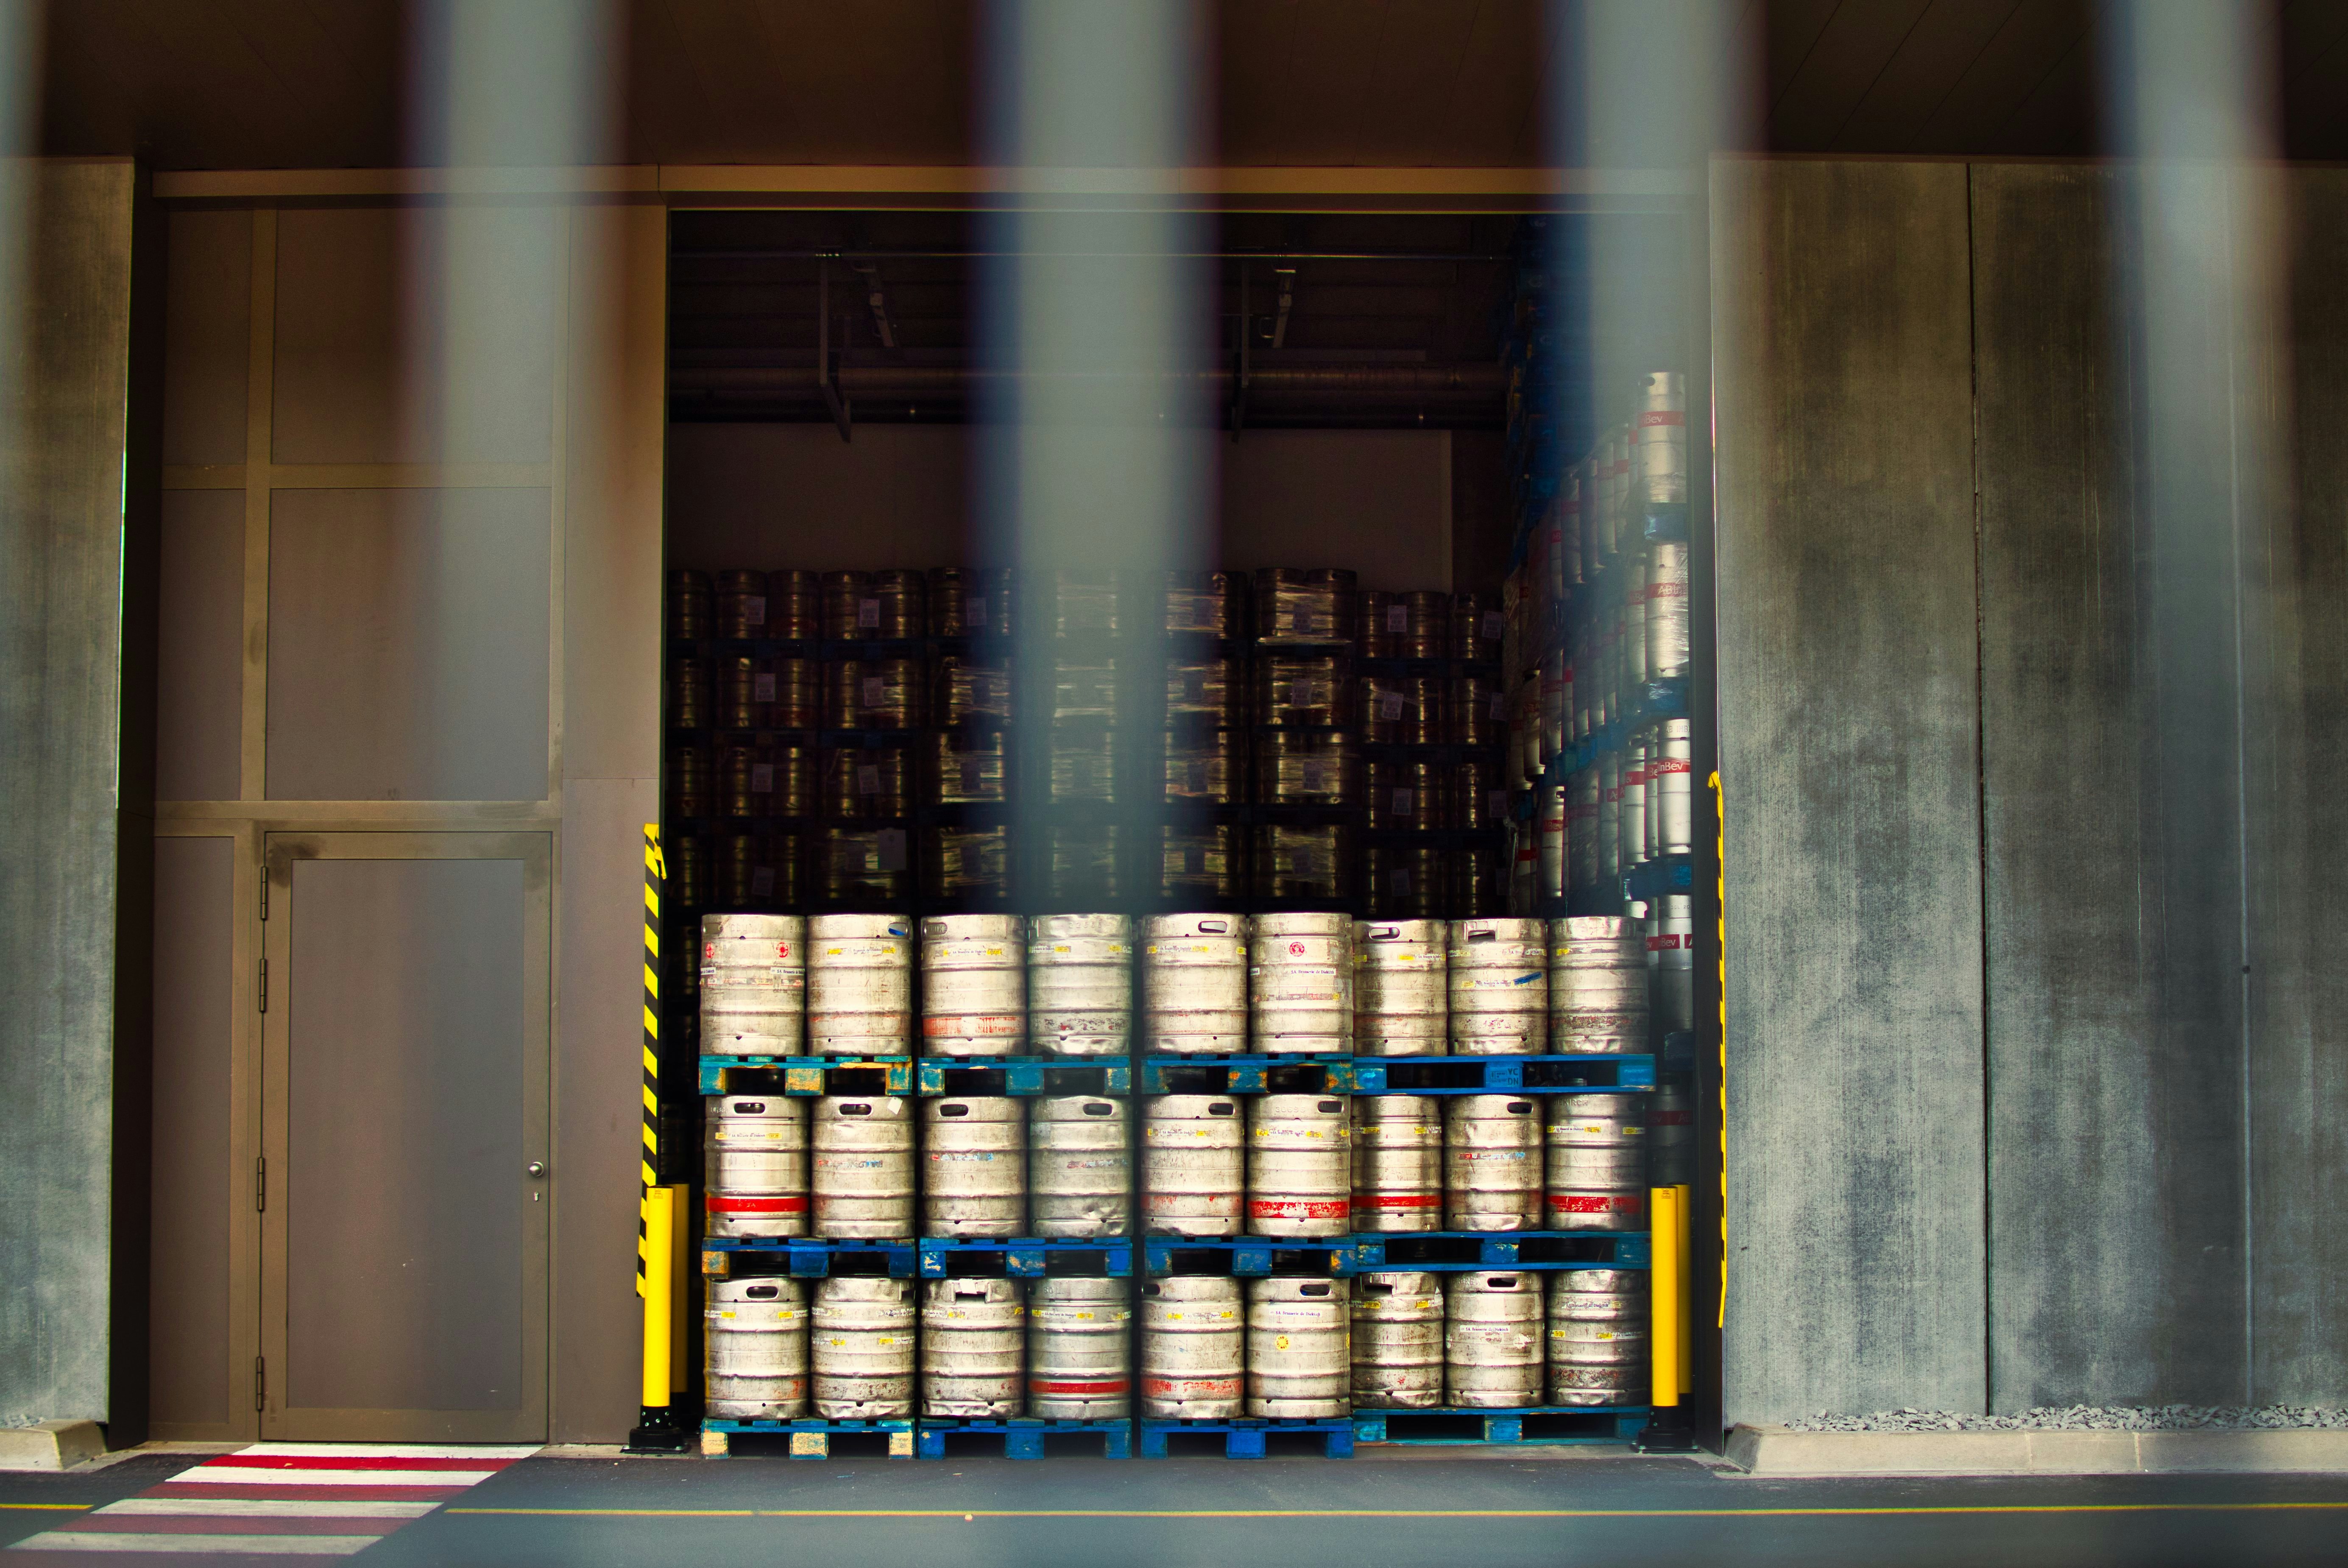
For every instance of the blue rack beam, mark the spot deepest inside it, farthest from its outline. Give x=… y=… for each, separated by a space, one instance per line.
x=1244 y=1438
x=1245 y=1074
x=1472 y=1251
x=809 y=1439
x=1497 y=1075
x=1251 y=1254
x=803 y=1258
x=803 y=1074
x=1025 y=1257
x=1032 y=1075
x=1021 y=1438
x=1528 y=1425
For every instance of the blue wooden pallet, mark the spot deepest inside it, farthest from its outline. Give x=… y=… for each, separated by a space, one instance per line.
x=1469 y=1251
x=1032 y=1075
x=806 y=1258
x=1503 y=1075
x=1025 y=1257
x=1249 y=1254
x=1244 y=1438
x=802 y=1075
x=809 y=1439
x=1021 y=1438
x=1245 y=1074
x=1528 y=1425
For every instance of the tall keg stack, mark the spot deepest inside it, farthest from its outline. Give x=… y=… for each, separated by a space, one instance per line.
x=1308 y=782
x=1430 y=713
x=873 y=680
x=1199 y=858
x=967 y=769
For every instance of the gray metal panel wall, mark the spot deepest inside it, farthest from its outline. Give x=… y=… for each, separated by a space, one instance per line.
x=2297 y=832
x=2115 y=1032
x=1845 y=576
x=63 y=457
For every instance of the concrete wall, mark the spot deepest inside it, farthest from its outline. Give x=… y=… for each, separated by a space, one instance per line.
x=76 y=559
x=2030 y=1026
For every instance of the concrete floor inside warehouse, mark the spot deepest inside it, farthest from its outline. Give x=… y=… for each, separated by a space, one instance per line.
x=574 y=1508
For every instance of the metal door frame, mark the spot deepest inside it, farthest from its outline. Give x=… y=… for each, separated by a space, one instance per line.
x=279 y=851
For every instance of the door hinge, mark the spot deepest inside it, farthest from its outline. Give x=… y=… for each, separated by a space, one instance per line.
x=264 y=897
x=260 y=1383
x=260 y=1184
x=264 y=984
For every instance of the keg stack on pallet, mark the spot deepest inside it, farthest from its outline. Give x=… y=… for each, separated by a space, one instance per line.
x=1372 y=1153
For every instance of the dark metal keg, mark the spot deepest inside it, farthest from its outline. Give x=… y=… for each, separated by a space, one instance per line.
x=1202 y=603
x=1303 y=691
x=688 y=693
x=1307 y=767
x=1198 y=864
x=1403 y=710
x=689 y=793
x=865 y=783
x=966 y=691
x=1408 y=796
x=872 y=694
x=1205 y=768
x=1477 y=626
x=794 y=604
x=742 y=604
x=1307 y=864
x=688 y=605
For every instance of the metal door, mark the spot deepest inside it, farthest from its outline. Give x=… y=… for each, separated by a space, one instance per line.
x=402 y=1183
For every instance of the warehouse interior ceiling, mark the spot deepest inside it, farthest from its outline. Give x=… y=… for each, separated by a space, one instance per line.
x=285 y=84
x=1363 y=321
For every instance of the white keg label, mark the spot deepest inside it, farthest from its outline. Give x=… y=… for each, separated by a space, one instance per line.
x=1496 y=801
x=1397 y=618
x=1495 y=623
x=1402 y=802
x=1317 y=773
x=868 y=779
x=762 y=689
x=753 y=609
x=1302 y=619
x=893 y=848
x=873 y=687
x=974 y=610
x=867 y=613
x=1499 y=706
x=1402 y=885
x=762 y=881
x=762 y=778
x=1308 y=694
x=1390 y=704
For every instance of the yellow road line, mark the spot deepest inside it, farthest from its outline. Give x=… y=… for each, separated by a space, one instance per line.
x=65 y=1506
x=976 y=1514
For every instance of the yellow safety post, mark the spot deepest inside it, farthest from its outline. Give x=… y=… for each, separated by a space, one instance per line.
x=1664 y=1289
x=1668 y=1341
x=1684 y=1241
x=658 y=1209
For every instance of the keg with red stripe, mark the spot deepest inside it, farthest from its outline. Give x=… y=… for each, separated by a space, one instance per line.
x=1397 y=1163
x=1079 y=1362
x=1491 y=1163
x=755 y=1166
x=1597 y=1176
x=1300 y=1165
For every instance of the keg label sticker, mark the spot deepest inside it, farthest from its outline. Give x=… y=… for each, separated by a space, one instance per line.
x=762 y=689
x=868 y=779
x=1655 y=416
x=762 y=778
x=867 y=613
x=1389 y=706
x=1667 y=765
x=1594 y=1203
x=754 y=610
x=1402 y=802
x=873 y=690
x=974 y=610
x=762 y=882
x=891 y=849
x=1667 y=588
x=1397 y=618
x=1499 y=706
x=1402 y=885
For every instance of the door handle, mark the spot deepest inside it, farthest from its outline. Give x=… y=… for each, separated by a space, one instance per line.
x=536 y=1167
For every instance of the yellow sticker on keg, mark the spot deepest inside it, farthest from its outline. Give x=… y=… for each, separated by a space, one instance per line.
x=1281 y=1342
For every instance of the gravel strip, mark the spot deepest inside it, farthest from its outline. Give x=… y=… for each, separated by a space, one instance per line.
x=2085 y=1419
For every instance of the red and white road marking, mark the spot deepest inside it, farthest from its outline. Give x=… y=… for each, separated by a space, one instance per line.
x=275 y=1501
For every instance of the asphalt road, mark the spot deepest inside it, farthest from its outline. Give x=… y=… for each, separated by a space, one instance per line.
x=1472 y=1513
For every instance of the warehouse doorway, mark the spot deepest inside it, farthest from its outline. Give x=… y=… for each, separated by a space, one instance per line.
x=402 y=1184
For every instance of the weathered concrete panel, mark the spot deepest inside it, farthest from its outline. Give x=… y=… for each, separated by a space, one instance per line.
x=2296 y=687
x=2115 y=1043
x=64 y=441
x=1848 y=703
